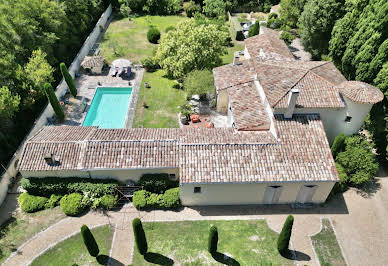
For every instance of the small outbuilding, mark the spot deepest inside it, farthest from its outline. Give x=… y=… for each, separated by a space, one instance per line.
x=93 y=64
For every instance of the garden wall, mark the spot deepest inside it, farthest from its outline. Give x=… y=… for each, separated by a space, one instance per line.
x=10 y=170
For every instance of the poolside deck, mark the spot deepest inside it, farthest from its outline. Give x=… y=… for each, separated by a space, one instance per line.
x=75 y=112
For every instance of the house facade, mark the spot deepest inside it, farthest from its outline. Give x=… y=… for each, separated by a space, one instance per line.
x=282 y=114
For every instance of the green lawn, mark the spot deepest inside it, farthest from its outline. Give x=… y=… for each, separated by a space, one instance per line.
x=248 y=242
x=73 y=251
x=129 y=38
x=228 y=58
x=326 y=246
x=23 y=226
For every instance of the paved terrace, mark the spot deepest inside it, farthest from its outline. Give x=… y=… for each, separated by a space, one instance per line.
x=87 y=84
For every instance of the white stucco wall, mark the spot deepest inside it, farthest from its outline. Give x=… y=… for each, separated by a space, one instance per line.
x=334 y=118
x=222 y=102
x=122 y=175
x=248 y=193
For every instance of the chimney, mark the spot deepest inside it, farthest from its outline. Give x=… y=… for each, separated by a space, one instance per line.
x=293 y=96
x=236 y=60
x=52 y=159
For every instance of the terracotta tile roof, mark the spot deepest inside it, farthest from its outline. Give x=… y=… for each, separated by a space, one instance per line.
x=267 y=44
x=302 y=154
x=248 y=108
x=62 y=134
x=140 y=134
x=231 y=75
x=361 y=92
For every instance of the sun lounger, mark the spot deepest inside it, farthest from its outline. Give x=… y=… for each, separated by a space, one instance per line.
x=113 y=71
x=121 y=70
x=128 y=72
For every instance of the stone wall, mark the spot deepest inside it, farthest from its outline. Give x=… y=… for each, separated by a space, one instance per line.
x=10 y=170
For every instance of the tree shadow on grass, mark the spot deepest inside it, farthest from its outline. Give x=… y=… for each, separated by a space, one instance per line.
x=225 y=259
x=104 y=260
x=157 y=258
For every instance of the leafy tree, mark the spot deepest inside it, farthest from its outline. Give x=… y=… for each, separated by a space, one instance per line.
x=54 y=101
x=290 y=11
x=68 y=78
x=285 y=236
x=254 y=29
x=140 y=237
x=338 y=144
x=89 y=241
x=9 y=103
x=316 y=23
x=190 y=8
x=190 y=47
x=358 y=160
x=213 y=240
x=214 y=8
x=153 y=7
x=288 y=37
x=199 y=82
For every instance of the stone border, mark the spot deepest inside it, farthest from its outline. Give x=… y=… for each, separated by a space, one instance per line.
x=111 y=245
x=335 y=234
x=62 y=239
x=134 y=97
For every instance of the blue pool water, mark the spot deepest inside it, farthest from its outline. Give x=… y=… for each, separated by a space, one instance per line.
x=109 y=108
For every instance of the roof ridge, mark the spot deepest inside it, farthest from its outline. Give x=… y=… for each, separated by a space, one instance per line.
x=253 y=78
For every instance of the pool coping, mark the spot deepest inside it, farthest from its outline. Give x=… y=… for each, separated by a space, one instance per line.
x=134 y=97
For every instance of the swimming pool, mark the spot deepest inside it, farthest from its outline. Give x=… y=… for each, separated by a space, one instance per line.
x=109 y=107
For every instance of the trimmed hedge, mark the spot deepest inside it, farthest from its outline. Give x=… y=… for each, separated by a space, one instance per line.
x=108 y=202
x=68 y=78
x=284 y=236
x=140 y=237
x=213 y=240
x=53 y=201
x=338 y=145
x=153 y=35
x=145 y=199
x=54 y=185
x=54 y=101
x=30 y=203
x=157 y=183
x=72 y=204
x=89 y=241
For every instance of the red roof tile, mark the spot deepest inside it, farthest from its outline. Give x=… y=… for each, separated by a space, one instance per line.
x=361 y=92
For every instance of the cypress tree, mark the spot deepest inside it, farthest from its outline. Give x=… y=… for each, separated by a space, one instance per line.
x=213 y=240
x=89 y=241
x=338 y=145
x=54 y=101
x=254 y=29
x=69 y=80
x=140 y=237
x=285 y=235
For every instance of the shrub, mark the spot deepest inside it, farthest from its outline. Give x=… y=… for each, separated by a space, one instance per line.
x=53 y=201
x=199 y=82
x=140 y=237
x=68 y=78
x=89 y=241
x=287 y=37
x=139 y=199
x=156 y=183
x=150 y=64
x=108 y=202
x=54 y=185
x=254 y=29
x=284 y=236
x=54 y=102
x=272 y=16
x=72 y=204
x=153 y=35
x=338 y=145
x=154 y=200
x=213 y=240
x=171 y=198
x=190 y=8
x=186 y=110
x=340 y=186
x=169 y=28
x=30 y=203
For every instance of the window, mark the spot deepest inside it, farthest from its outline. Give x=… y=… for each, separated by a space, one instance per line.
x=197 y=189
x=348 y=119
x=172 y=176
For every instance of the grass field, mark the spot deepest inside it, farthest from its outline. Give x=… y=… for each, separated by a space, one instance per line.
x=23 y=226
x=248 y=242
x=73 y=251
x=326 y=246
x=129 y=38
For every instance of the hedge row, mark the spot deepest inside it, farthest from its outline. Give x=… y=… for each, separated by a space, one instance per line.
x=54 y=185
x=157 y=183
x=146 y=199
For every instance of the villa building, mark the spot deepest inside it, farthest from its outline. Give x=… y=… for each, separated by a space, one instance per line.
x=282 y=115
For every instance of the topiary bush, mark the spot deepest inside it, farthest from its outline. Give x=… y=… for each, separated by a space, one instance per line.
x=53 y=201
x=54 y=102
x=171 y=198
x=89 y=241
x=338 y=145
x=72 y=204
x=153 y=35
x=108 y=202
x=30 y=203
x=284 y=237
x=156 y=183
x=140 y=237
x=213 y=240
x=254 y=29
x=139 y=199
x=68 y=78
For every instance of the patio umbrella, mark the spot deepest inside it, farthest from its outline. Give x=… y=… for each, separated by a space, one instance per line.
x=121 y=63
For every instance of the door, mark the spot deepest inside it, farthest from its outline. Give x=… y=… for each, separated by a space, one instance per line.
x=272 y=194
x=306 y=194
